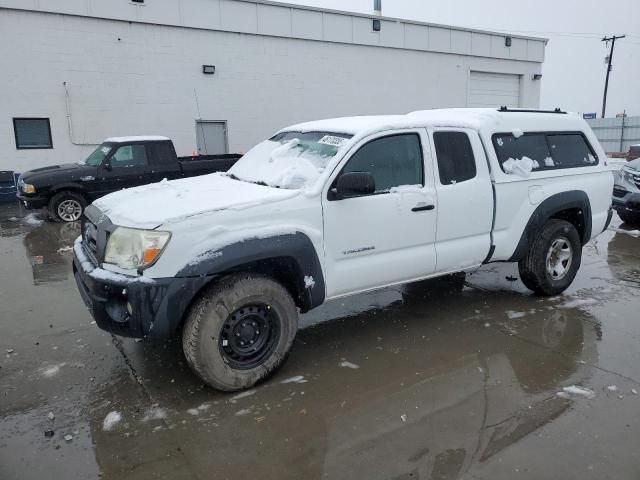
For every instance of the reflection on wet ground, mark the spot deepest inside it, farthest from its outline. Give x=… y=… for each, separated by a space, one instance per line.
x=429 y=381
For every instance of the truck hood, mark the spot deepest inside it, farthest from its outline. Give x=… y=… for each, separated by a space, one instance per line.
x=150 y=206
x=48 y=176
x=635 y=164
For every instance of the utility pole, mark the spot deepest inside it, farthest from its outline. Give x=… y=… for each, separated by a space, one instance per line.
x=606 y=82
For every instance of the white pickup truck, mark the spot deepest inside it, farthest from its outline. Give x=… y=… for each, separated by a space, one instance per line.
x=337 y=207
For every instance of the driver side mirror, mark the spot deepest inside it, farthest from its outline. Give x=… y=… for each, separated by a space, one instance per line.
x=354 y=184
x=107 y=166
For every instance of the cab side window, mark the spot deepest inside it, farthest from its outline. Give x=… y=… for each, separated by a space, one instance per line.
x=393 y=161
x=129 y=156
x=456 y=162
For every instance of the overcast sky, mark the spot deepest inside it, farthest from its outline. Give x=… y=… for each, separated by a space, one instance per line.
x=574 y=69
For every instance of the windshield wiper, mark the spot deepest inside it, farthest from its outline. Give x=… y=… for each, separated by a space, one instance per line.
x=259 y=182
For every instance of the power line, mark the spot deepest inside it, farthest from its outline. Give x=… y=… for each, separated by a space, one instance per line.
x=611 y=39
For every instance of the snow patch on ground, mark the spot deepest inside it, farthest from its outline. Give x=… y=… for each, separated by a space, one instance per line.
x=111 y=420
x=51 y=371
x=296 y=379
x=578 y=302
x=193 y=411
x=633 y=233
x=244 y=412
x=513 y=315
x=579 y=391
x=346 y=364
x=33 y=219
x=155 y=413
x=612 y=388
x=239 y=396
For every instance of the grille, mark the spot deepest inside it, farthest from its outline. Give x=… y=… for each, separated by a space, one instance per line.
x=90 y=237
x=619 y=192
x=631 y=175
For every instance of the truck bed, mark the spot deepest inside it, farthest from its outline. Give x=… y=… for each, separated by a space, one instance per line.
x=201 y=164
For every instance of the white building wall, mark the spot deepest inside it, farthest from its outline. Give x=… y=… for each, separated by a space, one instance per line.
x=129 y=78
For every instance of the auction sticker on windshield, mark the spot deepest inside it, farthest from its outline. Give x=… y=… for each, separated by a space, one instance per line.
x=331 y=140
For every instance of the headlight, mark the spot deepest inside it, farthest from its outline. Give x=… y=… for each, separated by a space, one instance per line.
x=131 y=248
x=28 y=188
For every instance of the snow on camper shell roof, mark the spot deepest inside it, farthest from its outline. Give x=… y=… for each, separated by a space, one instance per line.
x=140 y=138
x=473 y=118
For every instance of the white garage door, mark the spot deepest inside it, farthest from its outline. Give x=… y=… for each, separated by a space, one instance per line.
x=494 y=90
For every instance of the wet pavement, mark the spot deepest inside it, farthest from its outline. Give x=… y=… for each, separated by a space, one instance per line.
x=425 y=381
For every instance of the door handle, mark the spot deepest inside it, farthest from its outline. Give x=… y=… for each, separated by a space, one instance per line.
x=422 y=208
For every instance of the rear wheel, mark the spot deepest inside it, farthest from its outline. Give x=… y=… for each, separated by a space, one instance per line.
x=67 y=206
x=553 y=260
x=632 y=219
x=239 y=331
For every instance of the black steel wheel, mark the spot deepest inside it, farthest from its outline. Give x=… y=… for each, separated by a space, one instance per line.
x=239 y=331
x=249 y=335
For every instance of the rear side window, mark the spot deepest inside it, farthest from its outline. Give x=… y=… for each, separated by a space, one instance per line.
x=570 y=150
x=163 y=154
x=456 y=162
x=547 y=150
x=531 y=145
x=393 y=161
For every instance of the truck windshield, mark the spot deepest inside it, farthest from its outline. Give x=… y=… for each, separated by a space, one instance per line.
x=291 y=160
x=96 y=158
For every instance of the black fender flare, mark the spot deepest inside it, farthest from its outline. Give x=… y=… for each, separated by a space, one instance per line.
x=546 y=210
x=296 y=248
x=74 y=187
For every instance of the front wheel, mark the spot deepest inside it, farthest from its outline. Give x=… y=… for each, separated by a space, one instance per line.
x=67 y=206
x=553 y=260
x=239 y=331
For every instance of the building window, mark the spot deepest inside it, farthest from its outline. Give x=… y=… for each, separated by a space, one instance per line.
x=32 y=133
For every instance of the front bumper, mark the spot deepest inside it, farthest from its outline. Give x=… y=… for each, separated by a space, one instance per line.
x=133 y=306
x=32 y=202
x=630 y=203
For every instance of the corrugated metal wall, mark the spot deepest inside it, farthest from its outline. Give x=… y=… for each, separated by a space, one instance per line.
x=616 y=134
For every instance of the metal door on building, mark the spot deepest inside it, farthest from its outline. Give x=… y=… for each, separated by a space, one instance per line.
x=488 y=89
x=211 y=137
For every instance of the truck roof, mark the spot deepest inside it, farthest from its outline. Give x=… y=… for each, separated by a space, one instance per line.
x=140 y=138
x=475 y=118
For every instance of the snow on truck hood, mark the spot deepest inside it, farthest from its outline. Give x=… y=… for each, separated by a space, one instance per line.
x=150 y=206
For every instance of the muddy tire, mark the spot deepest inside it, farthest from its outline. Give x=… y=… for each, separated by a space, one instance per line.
x=239 y=331
x=632 y=219
x=67 y=206
x=553 y=259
